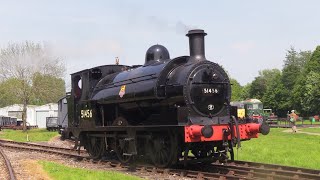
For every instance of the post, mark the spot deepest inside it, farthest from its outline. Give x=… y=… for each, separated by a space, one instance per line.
x=117 y=61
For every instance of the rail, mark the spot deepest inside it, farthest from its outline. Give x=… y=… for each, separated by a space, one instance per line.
x=8 y=165
x=216 y=170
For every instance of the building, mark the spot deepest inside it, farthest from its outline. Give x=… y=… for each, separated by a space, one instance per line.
x=63 y=112
x=36 y=115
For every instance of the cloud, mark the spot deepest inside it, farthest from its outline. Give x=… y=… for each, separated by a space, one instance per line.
x=83 y=19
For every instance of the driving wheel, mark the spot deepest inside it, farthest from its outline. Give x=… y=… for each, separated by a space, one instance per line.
x=163 y=149
x=121 y=149
x=95 y=147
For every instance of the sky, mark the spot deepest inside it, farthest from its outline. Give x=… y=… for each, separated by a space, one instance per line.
x=243 y=36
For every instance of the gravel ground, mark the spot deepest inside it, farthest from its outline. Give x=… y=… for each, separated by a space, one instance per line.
x=26 y=167
x=55 y=141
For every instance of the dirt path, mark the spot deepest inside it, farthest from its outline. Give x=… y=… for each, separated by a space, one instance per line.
x=299 y=131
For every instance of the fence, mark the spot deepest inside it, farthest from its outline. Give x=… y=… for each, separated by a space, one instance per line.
x=285 y=122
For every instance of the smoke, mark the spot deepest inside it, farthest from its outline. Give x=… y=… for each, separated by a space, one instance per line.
x=90 y=48
x=83 y=55
x=182 y=28
x=164 y=25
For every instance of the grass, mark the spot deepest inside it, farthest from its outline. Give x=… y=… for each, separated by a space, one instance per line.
x=61 y=172
x=34 y=135
x=312 y=130
x=308 y=122
x=298 y=149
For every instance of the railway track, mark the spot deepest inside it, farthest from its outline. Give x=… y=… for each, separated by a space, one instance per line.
x=73 y=153
x=55 y=148
x=8 y=167
x=216 y=170
x=251 y=170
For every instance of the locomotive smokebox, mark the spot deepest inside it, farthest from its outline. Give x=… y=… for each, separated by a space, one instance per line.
x=196 y=44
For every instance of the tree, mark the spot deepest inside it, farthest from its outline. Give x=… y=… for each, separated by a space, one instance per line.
x=269 y=75
x=258 y=87
x=305 y=93
x=293 y=66
x=311 y=96
x=236 y=88
x=22 y=62
x=7 y=92
x=47 y=88
x=280 y=90
x=276 y=96
x=260 y=83
x=245 y=91
x=279 y=85
x=314 y=62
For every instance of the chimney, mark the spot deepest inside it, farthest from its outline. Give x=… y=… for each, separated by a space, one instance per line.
x=196 y=44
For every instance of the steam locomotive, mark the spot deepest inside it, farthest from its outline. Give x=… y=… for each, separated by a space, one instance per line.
x=162 y=110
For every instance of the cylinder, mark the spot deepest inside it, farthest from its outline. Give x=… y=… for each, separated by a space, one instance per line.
x=196 y=44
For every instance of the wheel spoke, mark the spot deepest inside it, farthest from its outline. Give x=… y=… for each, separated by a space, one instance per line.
x=120 y=150
x=162 y=149
x=95 y=147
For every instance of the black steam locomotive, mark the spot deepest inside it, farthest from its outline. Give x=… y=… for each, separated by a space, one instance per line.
x=158 y=110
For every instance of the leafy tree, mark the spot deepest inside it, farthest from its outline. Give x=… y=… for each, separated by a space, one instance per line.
x=8 y=93
x=258 y=87
x=293 y=66
x=276 y=96
x=245 y=91
x=314 y=62
x=311 y=96
x=305 y=91
x=47 y=88
x=22 y=62
x=260 y=84
x=280 y=90
x=303 y=57
x=269 y=75
x=236 y=94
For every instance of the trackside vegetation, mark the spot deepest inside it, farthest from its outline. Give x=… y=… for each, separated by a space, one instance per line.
x=33 y=135
x=61 y=172
x=283 y=148
x=295 y=86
